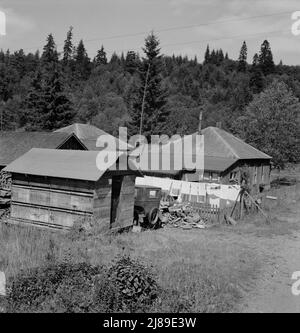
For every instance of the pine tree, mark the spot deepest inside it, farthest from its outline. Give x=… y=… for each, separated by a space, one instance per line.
x=101 y=58
x=82 y=62
x=35 y=103
x=68 y=48
x=131 y=62
x=242 y=66
x=255 y=61
x=155 y=111
x=266 y=61
x=207 y=56
x=59 y=111
x=50 y=55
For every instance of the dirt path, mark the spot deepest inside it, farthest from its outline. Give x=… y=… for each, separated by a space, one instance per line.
x=272 y=293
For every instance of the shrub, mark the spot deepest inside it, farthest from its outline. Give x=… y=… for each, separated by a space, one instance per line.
x=127 y=285
x=31 y=289
x=136 y=283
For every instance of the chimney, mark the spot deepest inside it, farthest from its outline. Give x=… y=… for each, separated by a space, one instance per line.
x=200 y=123
x=219 y=124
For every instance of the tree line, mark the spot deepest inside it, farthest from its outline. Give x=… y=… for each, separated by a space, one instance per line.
x=257 y=101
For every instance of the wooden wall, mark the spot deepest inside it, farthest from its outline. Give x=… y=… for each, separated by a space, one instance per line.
x=102 y=203
x=61 y=202
x=51 y=201
x=126 y=204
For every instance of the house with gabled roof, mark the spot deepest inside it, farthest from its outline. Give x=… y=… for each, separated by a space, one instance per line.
x=15 y=144
x=90 y=134
x=228 y=159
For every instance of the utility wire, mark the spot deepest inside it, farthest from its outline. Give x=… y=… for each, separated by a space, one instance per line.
x=174 y=28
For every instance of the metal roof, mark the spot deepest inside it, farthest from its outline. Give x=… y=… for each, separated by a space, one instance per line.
x=15 y=144
x=70 y=164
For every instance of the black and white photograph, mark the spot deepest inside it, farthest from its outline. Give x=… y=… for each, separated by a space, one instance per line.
x=149 y=159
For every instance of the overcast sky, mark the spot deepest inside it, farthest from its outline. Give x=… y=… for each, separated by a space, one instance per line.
x=222 y=24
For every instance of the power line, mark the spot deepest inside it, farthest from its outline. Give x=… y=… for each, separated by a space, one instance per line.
x=213 y=39
x=174 y=28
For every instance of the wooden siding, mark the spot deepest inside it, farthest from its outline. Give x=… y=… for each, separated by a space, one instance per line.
x=126 y=204
x=77 y=201
x=45 y=215
x=102 y=203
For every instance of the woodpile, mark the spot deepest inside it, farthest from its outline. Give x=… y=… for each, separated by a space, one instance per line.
x=5 y=181
x=5 y=188
x=182 y=216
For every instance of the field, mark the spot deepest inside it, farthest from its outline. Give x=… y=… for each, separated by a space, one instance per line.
x=214 y=270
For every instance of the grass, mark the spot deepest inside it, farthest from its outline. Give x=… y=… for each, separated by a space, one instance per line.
x=211 y=269
x=206 y=268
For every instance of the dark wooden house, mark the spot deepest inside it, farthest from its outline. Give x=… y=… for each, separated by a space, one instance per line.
x=228 y=159
x=55 y=188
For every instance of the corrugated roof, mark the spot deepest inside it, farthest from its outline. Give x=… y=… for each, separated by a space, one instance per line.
x=15 y=144
x=70 y=164
x=89 y=135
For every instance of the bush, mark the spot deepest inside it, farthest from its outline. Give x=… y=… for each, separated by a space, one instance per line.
x=34 y=288
x=136 y=283
x=80 y=288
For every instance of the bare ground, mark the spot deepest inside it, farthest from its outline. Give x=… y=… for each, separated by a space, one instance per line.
x=272 y=293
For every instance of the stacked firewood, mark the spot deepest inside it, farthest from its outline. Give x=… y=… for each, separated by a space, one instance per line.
x=182 y=216
x=5 y=188
x=5 y=180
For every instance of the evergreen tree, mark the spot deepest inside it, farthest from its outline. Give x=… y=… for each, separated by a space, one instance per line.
x=207 y=55
x=50 y=55
x=82 y=61
x=35 y=103
x=68 y=48
x=242 y=66
x=100 y=58
x=255 y=61
x=155 y=114
x=131 y=62
x=266 y=59
x=58 y=111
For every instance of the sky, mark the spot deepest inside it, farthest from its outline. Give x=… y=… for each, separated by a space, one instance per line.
x=184 y=27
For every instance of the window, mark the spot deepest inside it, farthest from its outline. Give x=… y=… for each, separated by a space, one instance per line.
x=152 y=194
x=215 y=176
x=233 y=175
x=206 y=175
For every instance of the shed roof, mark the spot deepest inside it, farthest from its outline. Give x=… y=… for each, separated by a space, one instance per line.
x=15 y=144
x=89 y=135
x=70 y=164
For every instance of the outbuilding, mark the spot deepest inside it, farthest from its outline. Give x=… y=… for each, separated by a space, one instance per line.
x=55 y=188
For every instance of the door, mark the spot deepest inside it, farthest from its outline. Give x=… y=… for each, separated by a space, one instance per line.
x=115 y=198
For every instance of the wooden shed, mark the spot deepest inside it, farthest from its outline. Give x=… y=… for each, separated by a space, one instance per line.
x=55 y=188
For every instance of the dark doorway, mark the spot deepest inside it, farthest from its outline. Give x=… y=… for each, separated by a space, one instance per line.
x=115 y=197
